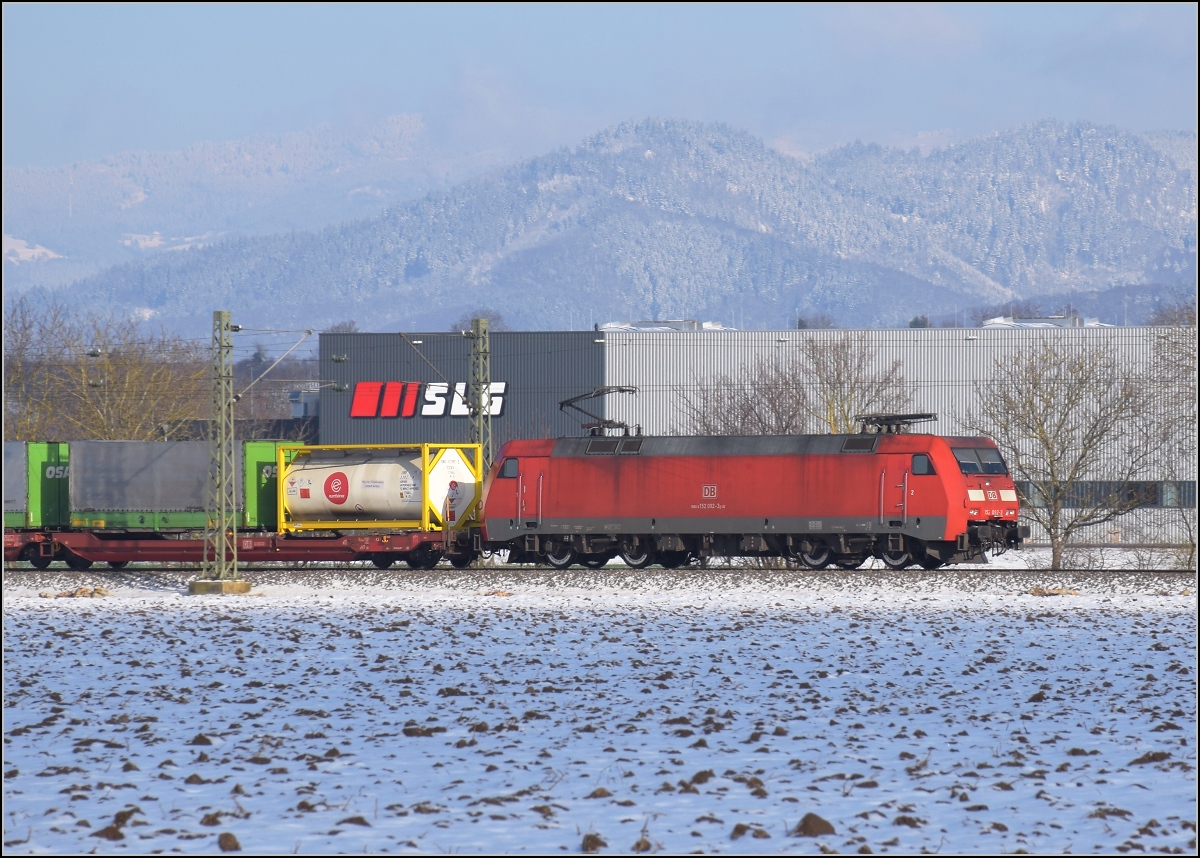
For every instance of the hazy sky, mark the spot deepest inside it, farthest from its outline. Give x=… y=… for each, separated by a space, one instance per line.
x=84 y=81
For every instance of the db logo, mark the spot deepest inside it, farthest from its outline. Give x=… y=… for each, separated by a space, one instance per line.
x=708 y=491
x=337 y=488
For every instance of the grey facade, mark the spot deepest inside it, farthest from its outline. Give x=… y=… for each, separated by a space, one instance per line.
x=945 y=368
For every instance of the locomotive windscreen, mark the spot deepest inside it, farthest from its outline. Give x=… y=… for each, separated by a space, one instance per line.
x=979 y=460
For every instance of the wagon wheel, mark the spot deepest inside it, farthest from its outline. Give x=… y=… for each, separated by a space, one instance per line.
x=560 y=557
x=36 y=559
x=423 y=558
x=595 y=561
x=849 y=562
x=818 y=558
x=76 y=562
x=637 y=558
x=117 y=564
x=462 y=561
x=382 y=561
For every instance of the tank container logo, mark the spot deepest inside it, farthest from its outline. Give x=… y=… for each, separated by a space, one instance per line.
x=405 y=399
x=337 y=487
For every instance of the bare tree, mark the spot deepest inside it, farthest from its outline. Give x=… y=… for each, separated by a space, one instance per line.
x=70 y=377
x=29 y=349
x=1180 y=313
x=495 y=320
x=1077 y=429
x=821 y=388
x=264 y=385
x=815 y=321
x=768 y=401
x=1175 y=372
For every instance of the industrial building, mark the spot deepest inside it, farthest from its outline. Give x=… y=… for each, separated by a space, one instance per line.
x=410 y=388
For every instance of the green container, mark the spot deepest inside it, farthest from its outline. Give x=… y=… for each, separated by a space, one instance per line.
x=36 y=479
x=260 y=476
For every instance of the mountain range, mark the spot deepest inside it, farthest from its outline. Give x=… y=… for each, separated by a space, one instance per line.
x=92 y=215
x=654 y=219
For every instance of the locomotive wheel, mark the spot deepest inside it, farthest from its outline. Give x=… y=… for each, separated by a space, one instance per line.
x=383 y=562
x=35 y=558
x=930 y=562
x=595 y=561
x=77 y=563
x=897 y=559
x=818 y=558
x=117 y=564
x=672 y=559
x=560 y=557
x=847 y=562
x=462 y=561
x=637 y=558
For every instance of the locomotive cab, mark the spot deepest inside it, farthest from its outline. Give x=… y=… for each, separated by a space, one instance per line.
x=989 y=497
x=514 y=496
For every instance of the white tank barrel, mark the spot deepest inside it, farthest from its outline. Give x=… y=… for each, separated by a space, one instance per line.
x=371 y=485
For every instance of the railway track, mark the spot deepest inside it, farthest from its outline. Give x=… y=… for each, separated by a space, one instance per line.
x=614 y=579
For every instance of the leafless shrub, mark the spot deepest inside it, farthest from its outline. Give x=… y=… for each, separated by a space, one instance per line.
x=1083 y=559
x=1064 y=414
x=69 y=376
x=820 y=388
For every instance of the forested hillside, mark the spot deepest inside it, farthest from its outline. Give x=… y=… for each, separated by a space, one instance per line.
x=672 y=219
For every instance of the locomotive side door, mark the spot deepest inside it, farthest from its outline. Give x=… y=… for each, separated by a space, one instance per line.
x=500 y=499
x=895 y=484
x=531 y=491
x=513 y=500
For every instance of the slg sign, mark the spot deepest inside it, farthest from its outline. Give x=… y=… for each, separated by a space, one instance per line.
x=387 y=399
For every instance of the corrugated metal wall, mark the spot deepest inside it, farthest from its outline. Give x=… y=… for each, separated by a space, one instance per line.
x=945 y=367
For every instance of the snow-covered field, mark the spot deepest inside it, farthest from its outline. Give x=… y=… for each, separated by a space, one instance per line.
x=499 y=711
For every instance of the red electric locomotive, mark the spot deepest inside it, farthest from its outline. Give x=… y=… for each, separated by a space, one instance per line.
x=907 y=499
